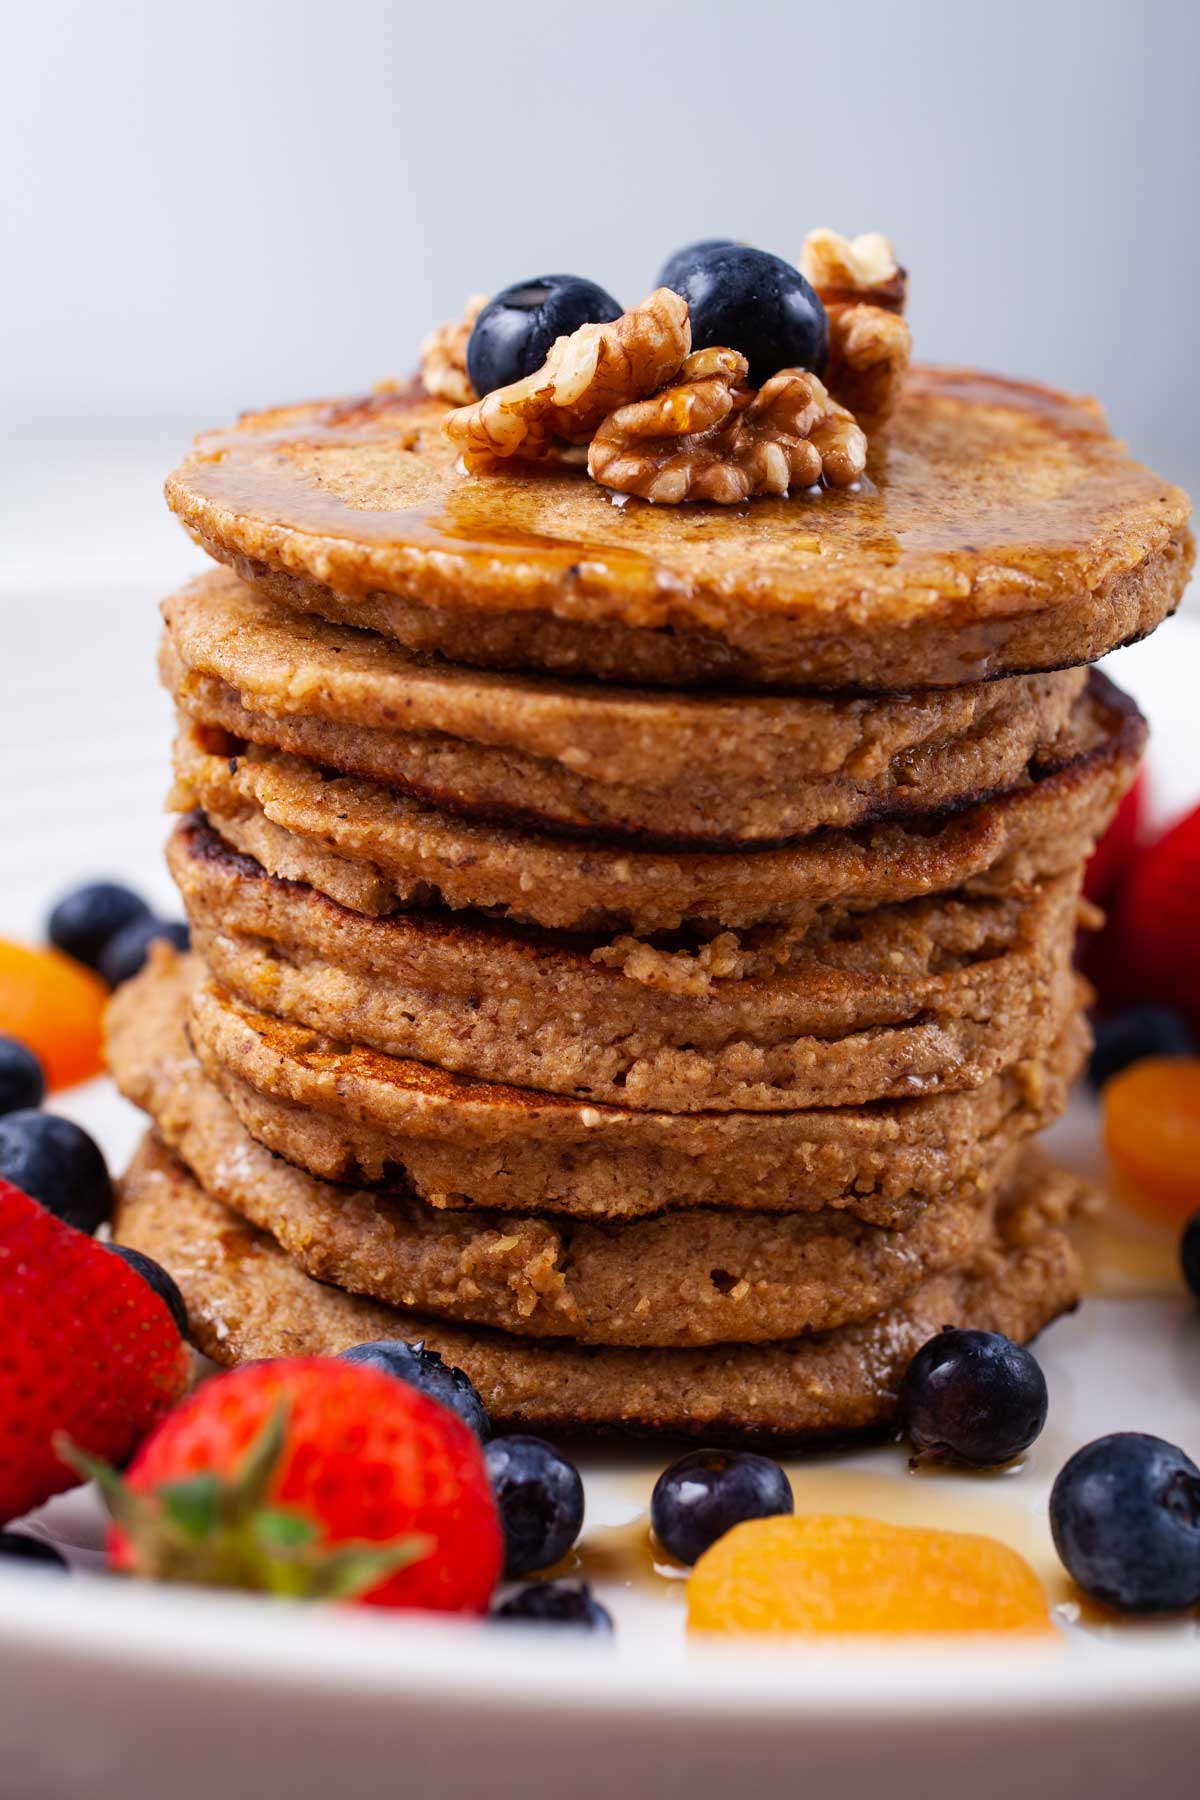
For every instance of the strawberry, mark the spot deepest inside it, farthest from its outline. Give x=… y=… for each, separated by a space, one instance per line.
x=1115 y=851
x=86 y=1348
x=1151 y=947
x=312 y=1477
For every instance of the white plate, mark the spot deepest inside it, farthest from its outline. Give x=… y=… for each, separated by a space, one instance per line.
x=142 y=1692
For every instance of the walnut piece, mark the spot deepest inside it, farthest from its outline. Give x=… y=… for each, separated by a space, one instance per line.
x=846 y=270
x=586 y=376
x=710 y=437
x=863 y=289
x=444 y=356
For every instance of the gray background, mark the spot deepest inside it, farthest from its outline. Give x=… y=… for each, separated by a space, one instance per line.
x=227 y=204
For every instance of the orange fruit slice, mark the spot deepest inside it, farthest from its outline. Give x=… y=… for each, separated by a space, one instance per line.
x=54 y=1005
x=1152 y=1132
x=827 y=1573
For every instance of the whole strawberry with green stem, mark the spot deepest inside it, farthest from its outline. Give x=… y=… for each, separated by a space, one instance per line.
x=315 y=1478
x=87 y=1348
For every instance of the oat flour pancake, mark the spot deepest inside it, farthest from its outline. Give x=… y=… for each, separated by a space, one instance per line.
x=935 y=994
x=374 y=849
x=349 y=1114
x=674 y=1279
x=558 y=756
x=999 y=528
x=247 y=1299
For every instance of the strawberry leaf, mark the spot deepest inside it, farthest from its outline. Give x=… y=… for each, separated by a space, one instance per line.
x=193 y=1504
x=279 y=1529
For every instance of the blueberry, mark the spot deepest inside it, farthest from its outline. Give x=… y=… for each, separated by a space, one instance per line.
x=972 y=1397
x=1127 y=1036
x=55 y=1161
x=540 y=1497
x=22 y=1078
x=514 y=332
x=706 y=1493
x=755 y=303
x=87 y=919
x=679 y=264
x=1125 y=1514
x=127 y=952
x=1189 y=1253
x=569 y=1603
x=22 y=1548
x=424 y=1369
x=156 y=1277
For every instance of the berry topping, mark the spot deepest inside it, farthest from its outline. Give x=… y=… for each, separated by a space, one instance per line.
x=680 y=263
x=703 y=1495
x=126 y=954
x=972 y=1397
x=424 y=1369
x=1189 y=1254
x=87 y=919
x=750 y=301
x=514 y=332
x=1133 y=1034
x=22 y=1080
x=1149 y=948
x=823 y=1573
x=569 y=1603
x=1152 y=1132
x=156 y=1277
x=311 y=1477
x=1125 y=1514
x=55 y=1006
x=540 y=1496
x=85 y=1349
x=55 y=1161
x=20 y=1547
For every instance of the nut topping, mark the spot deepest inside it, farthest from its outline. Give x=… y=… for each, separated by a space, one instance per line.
x=845 y=270
x=444 y=356
x=710 y=437
x=863 y=290
x=586 y=376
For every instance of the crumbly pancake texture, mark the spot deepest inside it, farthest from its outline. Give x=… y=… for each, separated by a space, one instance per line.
x=247 y=1299
x=674 y=1279
x=349 y=1114
x=935 y=994
x=375 y=850
x=999 y=528
x=574 y=757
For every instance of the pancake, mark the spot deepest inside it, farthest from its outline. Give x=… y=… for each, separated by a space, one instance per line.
x=247 y=1299
x=937 y=993
x=685 y=769
x=374 y=850
x=349 y=1114
x=999 y=529
x=675 y=1279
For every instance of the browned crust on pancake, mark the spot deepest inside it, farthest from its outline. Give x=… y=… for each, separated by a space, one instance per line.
x=936 y=995
x=247 y=1299
x=687 y=770
x=705 y=1276
x=349 y=1114
x=1003 y=530
x=368 y=842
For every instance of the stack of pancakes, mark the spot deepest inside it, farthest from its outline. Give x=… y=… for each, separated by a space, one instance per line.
x=632 y=947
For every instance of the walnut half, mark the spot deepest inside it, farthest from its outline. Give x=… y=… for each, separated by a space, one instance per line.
x=710 y=437
x=863 y=289
x=444 y=356
x=586 y=376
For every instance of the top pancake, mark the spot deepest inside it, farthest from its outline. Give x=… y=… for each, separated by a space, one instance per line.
x=1000 y=529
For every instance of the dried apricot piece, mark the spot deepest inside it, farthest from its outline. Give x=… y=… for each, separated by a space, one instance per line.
x=823 y=1573
x=1152 y=1131
x=55 y=1005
